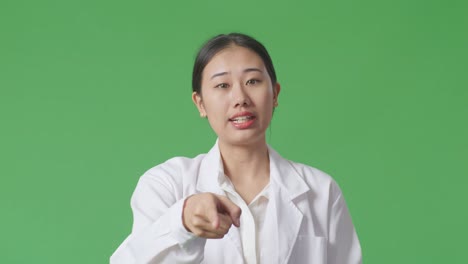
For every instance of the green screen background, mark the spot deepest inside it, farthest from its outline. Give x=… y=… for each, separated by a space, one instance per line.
x=94 y=93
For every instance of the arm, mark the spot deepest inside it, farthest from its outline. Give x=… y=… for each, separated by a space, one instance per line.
x=158 y=234
x=344 y=247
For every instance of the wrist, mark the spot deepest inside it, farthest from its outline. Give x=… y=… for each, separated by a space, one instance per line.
x=184 y=215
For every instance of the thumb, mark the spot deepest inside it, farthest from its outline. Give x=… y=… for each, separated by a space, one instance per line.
x=234 y=211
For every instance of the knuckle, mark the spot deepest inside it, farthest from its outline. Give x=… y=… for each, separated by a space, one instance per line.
x=197 y=211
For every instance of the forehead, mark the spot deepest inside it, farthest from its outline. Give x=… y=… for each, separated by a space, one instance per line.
x=234 y=58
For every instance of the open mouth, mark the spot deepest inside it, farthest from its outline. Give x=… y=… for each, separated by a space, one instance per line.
x=241 y=119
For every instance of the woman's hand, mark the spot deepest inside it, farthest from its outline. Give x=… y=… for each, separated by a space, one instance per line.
x=209 y=215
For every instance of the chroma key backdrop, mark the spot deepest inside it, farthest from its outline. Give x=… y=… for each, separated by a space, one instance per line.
x=95 y=92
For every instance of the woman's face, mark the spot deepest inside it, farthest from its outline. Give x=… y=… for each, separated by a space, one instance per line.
x=237 y=96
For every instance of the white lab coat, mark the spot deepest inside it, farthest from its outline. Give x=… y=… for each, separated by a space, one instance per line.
x=306 y=216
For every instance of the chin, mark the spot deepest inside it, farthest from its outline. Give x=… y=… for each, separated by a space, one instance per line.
x=245 y=139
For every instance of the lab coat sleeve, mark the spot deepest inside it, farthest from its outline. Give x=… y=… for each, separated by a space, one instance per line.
x=343 y=247
x=158 y=234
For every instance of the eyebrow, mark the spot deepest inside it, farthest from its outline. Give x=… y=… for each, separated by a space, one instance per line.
x=246 y=70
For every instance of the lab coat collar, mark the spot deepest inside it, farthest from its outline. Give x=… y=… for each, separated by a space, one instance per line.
x=284 y=215
x=210 y=171
x=281 y=171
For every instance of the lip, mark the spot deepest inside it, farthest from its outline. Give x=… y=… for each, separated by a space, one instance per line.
x=245 y=124
x=245 y=113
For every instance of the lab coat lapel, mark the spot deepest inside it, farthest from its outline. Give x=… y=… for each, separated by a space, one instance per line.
x=207 y=181
x=284 y=218
x=208 y=173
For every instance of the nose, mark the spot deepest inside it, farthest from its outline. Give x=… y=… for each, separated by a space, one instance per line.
x=240 y=96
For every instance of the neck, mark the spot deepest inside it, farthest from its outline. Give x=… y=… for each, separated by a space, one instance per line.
x=245 y=163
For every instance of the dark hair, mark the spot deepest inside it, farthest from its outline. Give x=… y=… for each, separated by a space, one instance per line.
x=220 y=42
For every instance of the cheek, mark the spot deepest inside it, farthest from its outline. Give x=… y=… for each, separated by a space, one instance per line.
x=213 y=105
x=267 y=105
x=266 y=99
x=215 y=109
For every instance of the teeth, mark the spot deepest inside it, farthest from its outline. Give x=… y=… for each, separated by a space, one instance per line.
x=241 y=119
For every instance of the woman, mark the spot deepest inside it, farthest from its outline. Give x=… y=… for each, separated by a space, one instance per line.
x=241 y=202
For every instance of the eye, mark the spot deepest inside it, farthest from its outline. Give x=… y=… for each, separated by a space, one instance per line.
x=222 y=85
x=253 y=81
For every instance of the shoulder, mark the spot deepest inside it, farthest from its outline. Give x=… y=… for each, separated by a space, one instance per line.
x=176 y=177
x=317 y=180
x=311 y=174
x=175 y=165
x=173 y=169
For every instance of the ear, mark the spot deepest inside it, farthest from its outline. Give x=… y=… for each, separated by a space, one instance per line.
x=197 y=100
x=276 y=91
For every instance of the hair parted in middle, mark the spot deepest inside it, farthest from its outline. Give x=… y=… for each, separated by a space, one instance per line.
x=220 y=42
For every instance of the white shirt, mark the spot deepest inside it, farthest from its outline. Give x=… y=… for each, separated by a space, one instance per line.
x=251 y=230
x=306 y=218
